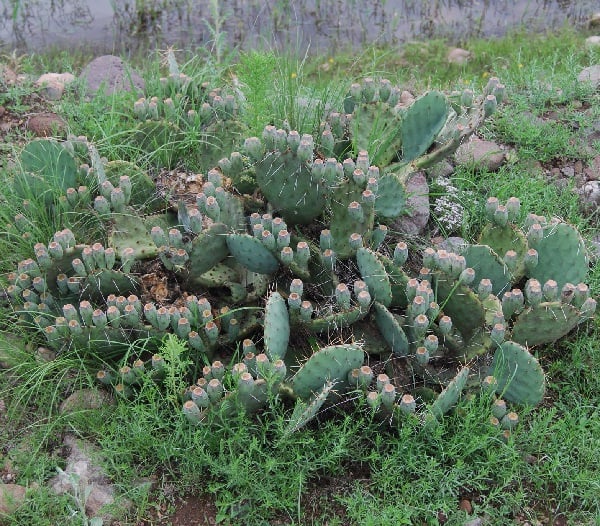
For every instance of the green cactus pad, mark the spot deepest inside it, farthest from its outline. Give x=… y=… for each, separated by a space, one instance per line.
x=219 y=275
x=103 y=282
x=519 y=375
x=375 y=276
x=276 y=327
x=290 y=187
x=487 y=264
x=252 y=254
x=304 y=412
x=208 y=249
x=391 y=330
x=562 y=256
x=447 y=399
x=421 y=123
x=391 y=197
x=131 y=231
x=334 y=321
x=330 y=363
x=461 y=304
x=375 y=127
x=343 y=225
x=398 y=280
x=48 y=170
x=502 y=239
x=545 y=323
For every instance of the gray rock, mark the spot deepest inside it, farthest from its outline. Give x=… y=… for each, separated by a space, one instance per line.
x=417 y=205
x=458 y=56
x=590 y=195
x=86 y=399
x=480 y=154
x=11 y=497
x=441 y=169
x=591 y=75
x=52 y=85
x=593 y=41
x=82 y=472
x=110 y=74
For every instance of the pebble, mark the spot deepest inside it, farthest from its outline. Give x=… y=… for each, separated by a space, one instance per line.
x=465 y=505
x=480 y=154
x=52 y=85
x=590 y=75
x=458 y=56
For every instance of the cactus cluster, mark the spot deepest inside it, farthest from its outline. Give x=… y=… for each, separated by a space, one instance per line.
x=309 y=253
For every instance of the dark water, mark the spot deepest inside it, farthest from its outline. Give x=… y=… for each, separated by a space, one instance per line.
x=317 y=25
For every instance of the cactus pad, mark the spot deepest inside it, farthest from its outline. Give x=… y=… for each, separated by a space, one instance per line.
x=519 y=375
x=330 y=363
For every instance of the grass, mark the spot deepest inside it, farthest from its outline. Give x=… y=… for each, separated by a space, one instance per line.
x=342 y=469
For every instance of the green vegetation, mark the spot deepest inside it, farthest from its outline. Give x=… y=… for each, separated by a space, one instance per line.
x=296 y=461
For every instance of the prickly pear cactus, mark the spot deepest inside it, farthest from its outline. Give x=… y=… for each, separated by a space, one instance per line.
x=283 y=271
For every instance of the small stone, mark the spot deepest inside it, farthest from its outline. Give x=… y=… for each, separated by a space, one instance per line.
x=86 y=399
x=7 y=75
x=2 y=111
x=53 y=84
x=485 y=155
x=578 y=167
x=441 y=169
x=594 y=20
x=593 y=41
x=11 y=497
x=465 y=505
x=568 y=171
x=47 y=125
x=458 y=56
x=590 y=75
x=474 y=522
x=590 y=195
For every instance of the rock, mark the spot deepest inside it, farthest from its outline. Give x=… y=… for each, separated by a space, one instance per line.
x=485 y=155
x=53 y=84
x=47 y=125
x=465 y=505
x=82 y=470
x=7 y=75
x=590 y=195
x=86 y=399
x=417 y=205
x=11 y=497
x=441 y=169
x=450 y=244
x=594 y=20
x=590 y=75
x=593 y=41
x=110 y=74
x=458 y=56
x=474 y=522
